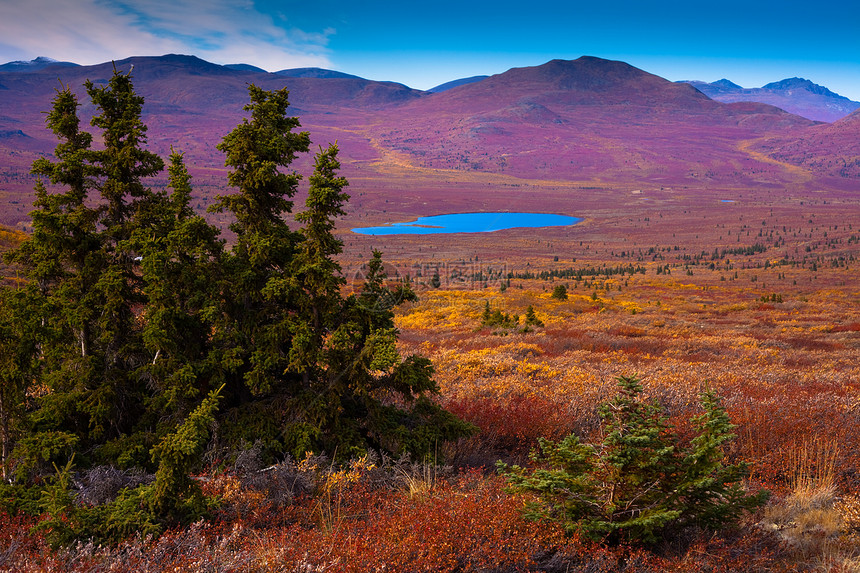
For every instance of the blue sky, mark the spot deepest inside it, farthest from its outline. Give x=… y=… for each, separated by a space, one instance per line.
x=423 y=44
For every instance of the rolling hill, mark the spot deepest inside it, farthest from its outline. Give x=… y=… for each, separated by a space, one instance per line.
x=829 y=150
x=590 y=122
x=456 y=83
x=589 y=119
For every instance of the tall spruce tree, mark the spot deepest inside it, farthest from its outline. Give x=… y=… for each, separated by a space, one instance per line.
x=116 y=396
x=85 y=281
x=306 y=368
x=110 y=337
x=254 y=342
x=59 y=261
x=356 y=392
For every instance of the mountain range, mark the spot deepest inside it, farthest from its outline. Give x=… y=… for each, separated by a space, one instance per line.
x=795 y=95
x=588 y=122
x=35 y=65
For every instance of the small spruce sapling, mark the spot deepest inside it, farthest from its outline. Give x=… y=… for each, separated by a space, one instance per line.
x=640 y=481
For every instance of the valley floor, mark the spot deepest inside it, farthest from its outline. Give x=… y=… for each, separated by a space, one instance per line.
x=787 y=365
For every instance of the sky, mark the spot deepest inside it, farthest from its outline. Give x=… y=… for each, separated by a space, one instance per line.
x=423 y=44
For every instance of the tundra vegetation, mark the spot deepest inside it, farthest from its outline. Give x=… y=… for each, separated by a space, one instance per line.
x=172 y=402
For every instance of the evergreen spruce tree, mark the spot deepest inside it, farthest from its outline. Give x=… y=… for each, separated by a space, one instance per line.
x=559 y=292
x=315 y=271
x=639 y=482
x=254 y=337
x=293 y=349
x=88 y=280
x=711 y=492
x=58 y=260
x=140 y=334
x=179 y=256
x=531 y=318
x=115 y=398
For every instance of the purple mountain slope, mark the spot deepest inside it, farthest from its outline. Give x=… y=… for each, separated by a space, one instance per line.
x=456 y=83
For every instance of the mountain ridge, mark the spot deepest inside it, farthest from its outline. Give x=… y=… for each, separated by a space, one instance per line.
x=588 y=119
x=315 y=73
x=456 y=83
x=795 y=95
x=36 y=64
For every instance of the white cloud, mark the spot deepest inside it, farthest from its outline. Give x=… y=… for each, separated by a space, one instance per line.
x=94 y=31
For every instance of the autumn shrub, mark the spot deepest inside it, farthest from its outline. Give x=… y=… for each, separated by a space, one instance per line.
x=850 y=327
x=640 y=481
x=510 y=426
x=463 y=524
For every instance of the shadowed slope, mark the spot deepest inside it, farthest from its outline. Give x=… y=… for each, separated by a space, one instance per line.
x=830 y=149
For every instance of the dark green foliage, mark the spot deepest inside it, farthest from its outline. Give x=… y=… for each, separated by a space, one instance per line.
x=84 y=285
x=640 y=481
x=111 y=331
x=137 y=334
x=180 y=254
x=712 y=492
x=255 y=150
x=253 y=331
x=174 y=494
x=17 y=368
x=496 y=318
x=293 y=350
x=559 y=292
x=435 y=281
x=65 y=519
x=531 y=318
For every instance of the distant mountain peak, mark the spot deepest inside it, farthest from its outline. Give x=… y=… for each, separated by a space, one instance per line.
x=315 y=73
x=795 y=95
x=34 y=65
x=245 y=68
x=802 y=84
x=790 y=83
x=724 y=83
x=586 y=74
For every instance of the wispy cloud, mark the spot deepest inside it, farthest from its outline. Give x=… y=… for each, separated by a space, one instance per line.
x=94 y=31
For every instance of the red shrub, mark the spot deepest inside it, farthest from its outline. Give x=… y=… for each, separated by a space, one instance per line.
x=515 y=424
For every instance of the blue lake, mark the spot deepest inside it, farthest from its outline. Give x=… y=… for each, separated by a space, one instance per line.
x=470 y=223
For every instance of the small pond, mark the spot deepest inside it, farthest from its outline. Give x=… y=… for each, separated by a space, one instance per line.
x=470 y=223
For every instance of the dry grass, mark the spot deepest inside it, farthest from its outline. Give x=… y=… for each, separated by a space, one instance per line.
x=812 y=520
